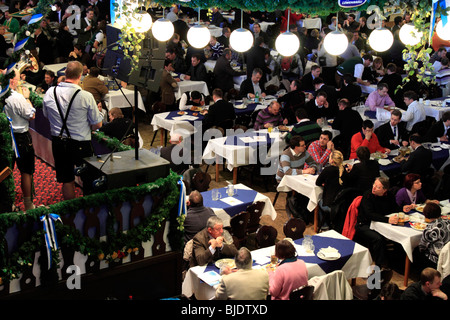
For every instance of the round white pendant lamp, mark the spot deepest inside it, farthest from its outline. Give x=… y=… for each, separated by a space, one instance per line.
x=241 y=40
x=142 y=21
x=287 y=43
x=335 y=43
x=198 y=36
x=409 y=35
x=442 y=31
x=381 y=39
x=163 y=29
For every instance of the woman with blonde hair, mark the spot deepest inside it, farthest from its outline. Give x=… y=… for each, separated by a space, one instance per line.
x=331 y=181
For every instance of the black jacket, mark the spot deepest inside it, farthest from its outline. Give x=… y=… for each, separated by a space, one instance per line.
x=384 y=134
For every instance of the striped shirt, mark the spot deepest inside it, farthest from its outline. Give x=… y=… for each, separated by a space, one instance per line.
x=264 y=116
x=292 y=164
x=309 y=130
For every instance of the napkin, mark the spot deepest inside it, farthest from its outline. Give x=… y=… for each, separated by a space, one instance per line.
x=330 y=252
x=384 y=162
x=247 y=139
x=231 y=201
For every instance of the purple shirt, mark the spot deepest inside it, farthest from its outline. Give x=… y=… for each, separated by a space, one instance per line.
x=374 y=100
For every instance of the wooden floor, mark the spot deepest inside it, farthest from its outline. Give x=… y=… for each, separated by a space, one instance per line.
x=146 y=131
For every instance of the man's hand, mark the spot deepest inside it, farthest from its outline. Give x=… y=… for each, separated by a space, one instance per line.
x=393 y=219
x=330 y=145
x=285 y=121
x=368 y=135
x=396 y=142
x=309 y=171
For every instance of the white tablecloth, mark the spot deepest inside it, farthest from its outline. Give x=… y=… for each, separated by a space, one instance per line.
x=304 y=184
x=435 y=109
x=115 y=98
x=357 y=266
x=268 y=208
x=215 y=31
x=55 y=67
x=182 y=127
x=240 y=155
x=189 y=85
x=315 y=23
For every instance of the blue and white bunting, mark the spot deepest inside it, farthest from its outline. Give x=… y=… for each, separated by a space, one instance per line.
x=51 y=242
x=182 y=207
x=10 y=68
x=35 y=18
x=19 y=45
x=444 y=18
x=4 y=91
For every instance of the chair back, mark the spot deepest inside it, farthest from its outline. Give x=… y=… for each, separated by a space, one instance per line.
x=238 y=225
x=266 y=236
x=350 y=220
x=158 y=107
x=303 y=293
x=294 y=228
x=443 y=265
x=255 y=210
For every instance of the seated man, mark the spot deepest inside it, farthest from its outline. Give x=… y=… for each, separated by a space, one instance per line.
x=197 y=70
x=294 y=158
x=118 y=126
x=415 y=112
x=220 y=114
x=428 y=288
x=209 y=244
x=177 y=163
x=269 y=117
x=318 y=107
x=197 y=215
x=379 y=98
x=245 y=283
x=366 y=138
x=251 y=87
x=191 y=98
x=393 y=133
x=309 y=130
x=349 y=89
x=94 y=85
x=292 y=100
x=49 y=81
x=439 y=131
x=320 y=150
x=420 y=160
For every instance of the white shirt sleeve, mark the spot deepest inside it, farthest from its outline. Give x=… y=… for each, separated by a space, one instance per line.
x=183 y=101
x=359 y=68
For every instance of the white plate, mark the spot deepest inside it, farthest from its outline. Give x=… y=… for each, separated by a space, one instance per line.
x=445 y=146
x=240 y=106
x=225 y=262
x=322 y=256
x=436 y=148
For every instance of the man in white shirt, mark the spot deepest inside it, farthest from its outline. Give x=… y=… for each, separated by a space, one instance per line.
x=172 y=15
x=415 y=111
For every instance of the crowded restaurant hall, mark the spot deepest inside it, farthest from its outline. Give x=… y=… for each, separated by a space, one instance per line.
x=225 y=150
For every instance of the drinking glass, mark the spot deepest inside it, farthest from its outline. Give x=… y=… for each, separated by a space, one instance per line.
x=215 y=194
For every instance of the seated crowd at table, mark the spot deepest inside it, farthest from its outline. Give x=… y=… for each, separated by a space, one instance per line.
x=317 y=87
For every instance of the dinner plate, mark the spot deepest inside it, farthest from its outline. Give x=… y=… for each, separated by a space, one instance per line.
x=322 y=256
x=420 y=208
x=445 y=146
x=225 y=262
x=436 y=148
x=240 y=106
x=418 y=225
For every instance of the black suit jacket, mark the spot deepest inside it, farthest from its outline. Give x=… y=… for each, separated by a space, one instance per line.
x=418 y=162
x=332 y=98
x=315 y=112
x=247 y=87
x=306 y=82
x=351 y=91
x=436 y=131
x=218 y=113
x=223 y=74
x=385 y=133
x=255 y=59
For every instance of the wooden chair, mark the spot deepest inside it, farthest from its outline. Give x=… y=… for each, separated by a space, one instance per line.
x=303 y=293
x=158 y=107
x=294 y=228
x=255 y=210
x=266 y=236
x=238 y=225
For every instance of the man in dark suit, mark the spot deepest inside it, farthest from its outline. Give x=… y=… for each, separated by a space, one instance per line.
x=209 y=244
x=57 y=14
x=181 y=27
x=256 y=59
x=225 y=37
x=220 y=114
x=197 y=215
x=439 y=131
x=393 y=79
x=197 y=70
x=393 y=134
x=224 y=73
x=318 y=107
x=419 y=160
x=349 y=90
x=87 y=27
x=332 y=95
x=216 y=18
x=252 y=85
x=307 y=79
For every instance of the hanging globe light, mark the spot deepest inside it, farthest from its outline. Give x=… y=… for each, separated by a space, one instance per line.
x=142 y=21
x=287 y=44
x=241 y=40
x=198 y=36
x=381 y=39
x=442 y=31
x=335 y=43
x=163 y=29
x=409 y=34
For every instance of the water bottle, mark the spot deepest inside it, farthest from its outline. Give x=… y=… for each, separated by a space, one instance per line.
x=257 y=97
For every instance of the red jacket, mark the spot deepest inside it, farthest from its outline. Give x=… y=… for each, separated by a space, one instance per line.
x=350 y=220
x=358 y=140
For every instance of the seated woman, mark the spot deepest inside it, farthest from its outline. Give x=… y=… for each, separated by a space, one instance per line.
x=362 y=175
x=434 y=237
x=290 y=273
x=331 y=181
x=375 y=205
x=411 y=194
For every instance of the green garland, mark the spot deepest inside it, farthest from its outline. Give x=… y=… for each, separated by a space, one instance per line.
x=111 y=143
x=117 y=245
x=7 y=186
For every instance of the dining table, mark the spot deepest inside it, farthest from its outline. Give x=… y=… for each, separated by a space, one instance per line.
x=304 y=184
x=406 y=233
x=353 y=259
x=245 y=148
x=227 y=206
x=190 y=85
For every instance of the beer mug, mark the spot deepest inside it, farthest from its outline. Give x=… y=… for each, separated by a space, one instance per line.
x=216 y=195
